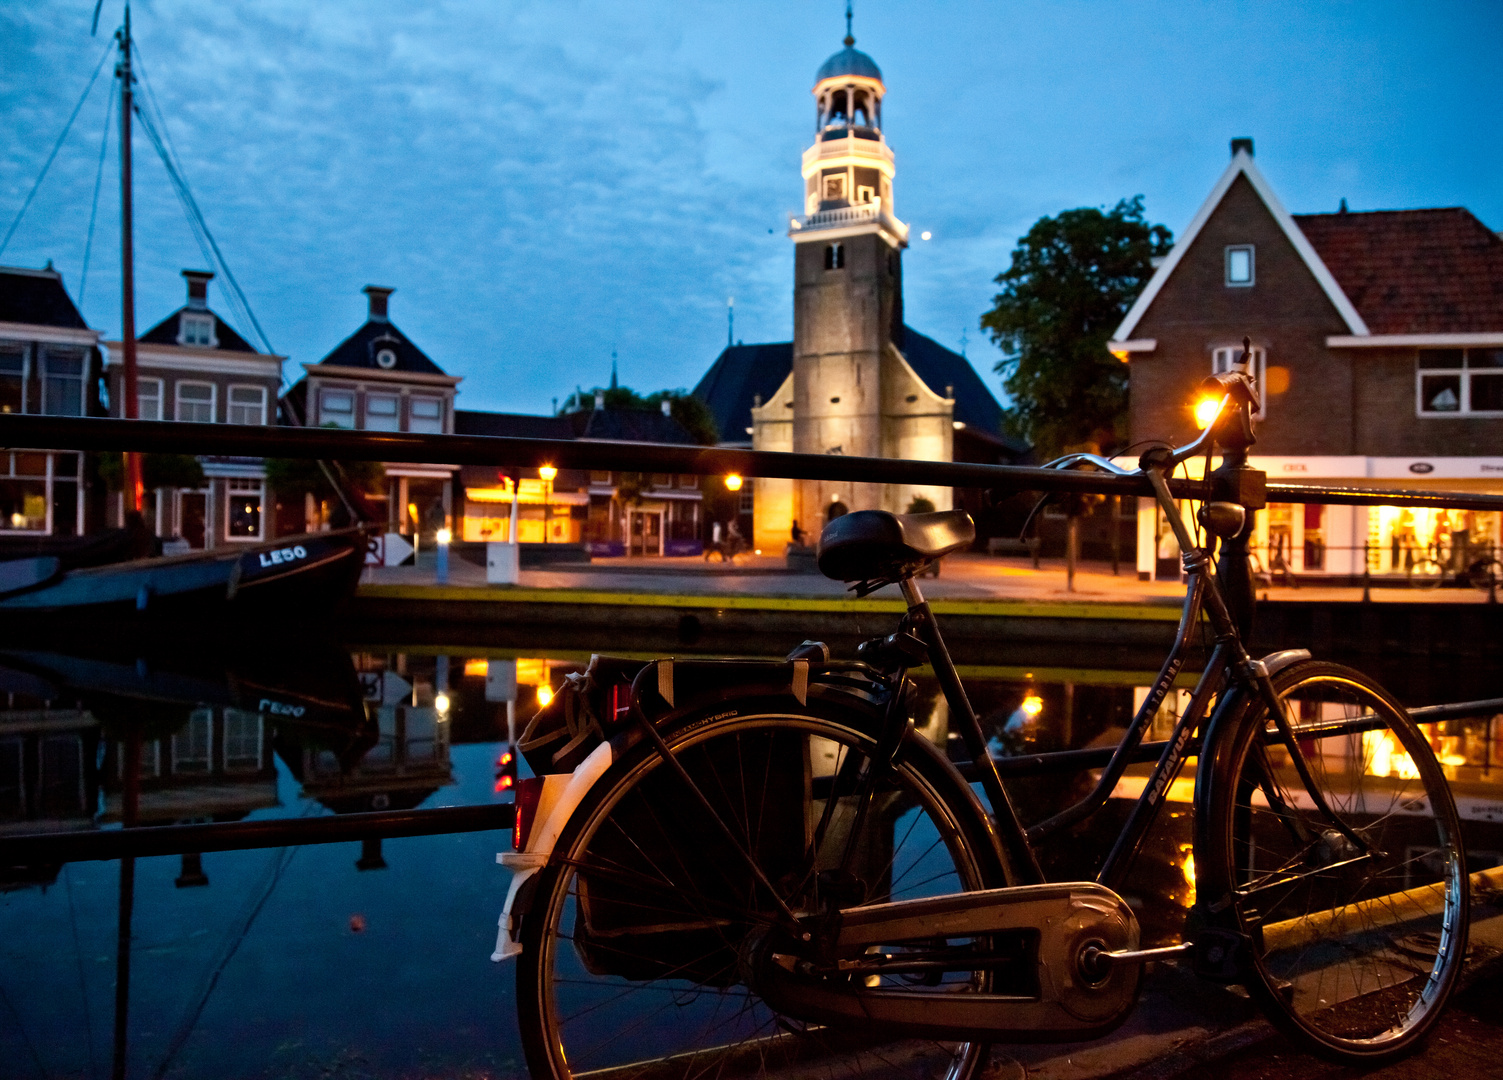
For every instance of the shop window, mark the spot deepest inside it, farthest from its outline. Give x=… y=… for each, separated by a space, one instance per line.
x=834 y=256
x=381 y=412
x=243 y=521
x=12 y=380
x=247 y=405
x=426 y=416
x=23 y=492
x=1240 y=268
x=242 y=741
x=336 y=408
x=1452 y=382
x=62 y=384
x=195 y=402
x=193 y=743
x=600 y=479
x=1230 y=358
x=148 y=399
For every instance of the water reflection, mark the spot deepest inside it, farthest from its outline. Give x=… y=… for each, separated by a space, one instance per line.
x=302 y=961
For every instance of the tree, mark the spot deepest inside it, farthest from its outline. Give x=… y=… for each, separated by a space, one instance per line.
x=1072 y=279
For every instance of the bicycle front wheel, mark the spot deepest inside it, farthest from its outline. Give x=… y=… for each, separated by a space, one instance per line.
x=637 y=944
x=1351 y=887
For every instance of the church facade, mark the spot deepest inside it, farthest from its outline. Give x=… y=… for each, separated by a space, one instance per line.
x=855 y=380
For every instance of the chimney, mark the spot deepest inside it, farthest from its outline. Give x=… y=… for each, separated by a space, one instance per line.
x=378 y=295
x=667 y=407
x=198 y=288
x=1242 y=144
x=599 y=399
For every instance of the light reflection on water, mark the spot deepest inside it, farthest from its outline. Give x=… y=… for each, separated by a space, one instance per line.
x=341 y=961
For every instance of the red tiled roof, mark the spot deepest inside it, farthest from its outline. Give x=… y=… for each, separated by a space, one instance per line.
x=1414 y=271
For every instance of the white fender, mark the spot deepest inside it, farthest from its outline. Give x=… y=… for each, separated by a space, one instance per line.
x=560 y=797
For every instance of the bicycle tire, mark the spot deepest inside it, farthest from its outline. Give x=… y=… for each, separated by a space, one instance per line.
x=1485 y=574
x=587 y=1001
x=1426 y=573
x=1352 y=954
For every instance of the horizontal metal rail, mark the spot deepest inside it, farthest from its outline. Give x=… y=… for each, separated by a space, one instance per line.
x=164 y=436
x=43 y=849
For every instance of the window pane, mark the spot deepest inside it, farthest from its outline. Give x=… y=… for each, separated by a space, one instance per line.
x=11 y=386
x=1440 y=358
x=23 y=505
x=247 y=405
x=149 y=399
x=62 y=389
x=195 y=403
x=245 y=515
x=424 y=407
x=1440 y=393
x=1484 y=358
x=381 y=412
x=192 y=745
x=1487 y=392
x=425 y=415
x=1239 y=265
x=337 y=407
x=242 y=741
x=31 y=465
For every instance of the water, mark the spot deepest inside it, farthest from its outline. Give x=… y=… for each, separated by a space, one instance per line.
x=298 y=962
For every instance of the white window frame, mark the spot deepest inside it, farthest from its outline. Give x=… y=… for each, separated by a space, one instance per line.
x=324 y=393
x=394 y=418
x=82 y=377
x=258 y=724
x=1227 y=357
x=1464 y=377
x=842 y=180
x=413 y=418
x=1252 y=266
x=242 y=485
x=204 y=716
x=231 y=404
x=141 y=398
x=177 y=399
x=25 y=354
x=201 y=320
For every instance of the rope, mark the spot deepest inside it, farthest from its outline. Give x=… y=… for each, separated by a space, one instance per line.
x=104 y=145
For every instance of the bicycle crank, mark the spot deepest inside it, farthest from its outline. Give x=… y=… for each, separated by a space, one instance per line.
x=1024 y=963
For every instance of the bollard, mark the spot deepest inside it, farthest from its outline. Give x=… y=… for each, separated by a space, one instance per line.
x=441 y=563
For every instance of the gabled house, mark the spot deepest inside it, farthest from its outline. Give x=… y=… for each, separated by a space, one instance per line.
x=194 y=366
x=1377 y=342
x=378 y=380
x=49 y=365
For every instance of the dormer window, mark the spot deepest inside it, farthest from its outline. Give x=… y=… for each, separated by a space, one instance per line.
x=1240 y=270
x=196 y=330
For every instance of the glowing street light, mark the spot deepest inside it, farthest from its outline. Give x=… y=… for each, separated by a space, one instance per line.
x=733 y=482
x=1032 y=705
x=545 y=695
x=547 y=472
x=441 y=703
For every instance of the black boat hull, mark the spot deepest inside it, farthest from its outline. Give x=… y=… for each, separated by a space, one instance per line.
x=297 y=579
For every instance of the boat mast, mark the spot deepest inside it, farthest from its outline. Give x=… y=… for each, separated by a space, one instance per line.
x=132 y=487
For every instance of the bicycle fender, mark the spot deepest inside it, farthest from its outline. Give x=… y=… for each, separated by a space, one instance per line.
x=561 y=795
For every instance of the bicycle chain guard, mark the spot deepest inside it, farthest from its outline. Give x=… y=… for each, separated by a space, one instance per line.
x=1042 y=932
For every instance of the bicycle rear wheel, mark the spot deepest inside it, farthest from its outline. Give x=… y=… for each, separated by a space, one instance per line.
x=637 y=944
x=1356 y=914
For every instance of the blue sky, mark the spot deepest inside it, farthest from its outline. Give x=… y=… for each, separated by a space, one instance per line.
x=543 y=181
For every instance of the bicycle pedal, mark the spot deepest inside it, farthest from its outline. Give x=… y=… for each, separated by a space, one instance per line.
x=1219 y=954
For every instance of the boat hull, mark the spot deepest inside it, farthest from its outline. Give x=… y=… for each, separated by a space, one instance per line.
x=296 y=579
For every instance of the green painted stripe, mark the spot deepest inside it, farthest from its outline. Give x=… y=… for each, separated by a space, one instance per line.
x=1036 y=609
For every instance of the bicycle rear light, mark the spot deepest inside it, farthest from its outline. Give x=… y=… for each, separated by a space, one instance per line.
x=529 y=791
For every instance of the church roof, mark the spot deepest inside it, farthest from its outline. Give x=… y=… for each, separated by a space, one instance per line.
x=744 y=371
x=848 y=61
x=359 y=350
x=37 y=297
x=166 y=333
x=740 y=373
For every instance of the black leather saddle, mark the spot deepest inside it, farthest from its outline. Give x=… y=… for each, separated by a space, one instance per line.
x=873 y=545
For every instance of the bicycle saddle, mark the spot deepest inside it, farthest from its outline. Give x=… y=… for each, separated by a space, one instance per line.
x=873 y=545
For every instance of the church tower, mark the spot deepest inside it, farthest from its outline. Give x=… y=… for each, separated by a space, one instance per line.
x=851 y=390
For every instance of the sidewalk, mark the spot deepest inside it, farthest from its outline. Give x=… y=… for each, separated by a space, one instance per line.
x=963 y=576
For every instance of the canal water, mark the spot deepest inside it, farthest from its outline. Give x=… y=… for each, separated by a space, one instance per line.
x=349 y=961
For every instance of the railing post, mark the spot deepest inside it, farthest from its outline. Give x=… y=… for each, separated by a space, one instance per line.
x=1367 y=572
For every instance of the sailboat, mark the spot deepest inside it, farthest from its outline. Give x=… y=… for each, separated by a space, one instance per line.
x=118 y=574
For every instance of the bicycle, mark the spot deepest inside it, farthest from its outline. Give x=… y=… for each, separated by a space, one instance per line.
x=741 y=867
x=1481 y=570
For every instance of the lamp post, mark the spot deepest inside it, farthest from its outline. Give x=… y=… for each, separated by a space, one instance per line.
x=547 y=473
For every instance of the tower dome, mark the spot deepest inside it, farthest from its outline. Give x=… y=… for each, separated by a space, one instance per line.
x=849 y=61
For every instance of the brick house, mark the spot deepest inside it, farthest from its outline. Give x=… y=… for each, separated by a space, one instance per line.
x=194 y=366
x=378 y=380
x=49 y=364
x=1378 y=345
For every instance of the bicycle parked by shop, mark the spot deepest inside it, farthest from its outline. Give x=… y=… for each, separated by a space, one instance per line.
x=733 y=867
x=1476 y=565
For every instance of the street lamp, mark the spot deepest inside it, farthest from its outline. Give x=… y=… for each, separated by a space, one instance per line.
x=733 y=482
x=547 y=472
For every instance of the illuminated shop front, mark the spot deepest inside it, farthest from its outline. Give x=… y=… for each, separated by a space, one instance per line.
x=545 y=515
x=1343 y=541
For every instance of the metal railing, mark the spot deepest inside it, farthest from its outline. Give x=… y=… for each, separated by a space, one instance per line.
x=166 y=436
